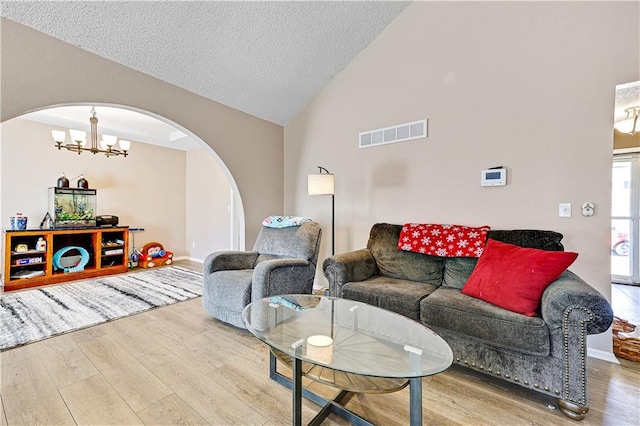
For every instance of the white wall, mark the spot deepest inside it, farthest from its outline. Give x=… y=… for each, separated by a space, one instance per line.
x=208 y=206
x=526 y=85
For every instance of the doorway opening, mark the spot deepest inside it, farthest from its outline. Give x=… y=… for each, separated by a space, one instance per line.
x=625 y=217
x=141 y=188
x=625 y=205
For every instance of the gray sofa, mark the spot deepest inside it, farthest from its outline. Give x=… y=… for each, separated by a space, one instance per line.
x=546 y=353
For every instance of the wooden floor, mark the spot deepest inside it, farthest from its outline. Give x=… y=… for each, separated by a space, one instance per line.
x=177 y=365
x=625 y=301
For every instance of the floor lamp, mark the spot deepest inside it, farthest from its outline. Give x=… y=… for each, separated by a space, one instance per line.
x=323 y=184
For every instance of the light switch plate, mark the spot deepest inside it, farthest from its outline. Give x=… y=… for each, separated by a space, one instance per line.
x=564 y=210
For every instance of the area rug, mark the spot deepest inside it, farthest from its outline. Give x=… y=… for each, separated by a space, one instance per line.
x=33 y=315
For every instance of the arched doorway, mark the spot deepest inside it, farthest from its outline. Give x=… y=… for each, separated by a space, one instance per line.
x=137 y=188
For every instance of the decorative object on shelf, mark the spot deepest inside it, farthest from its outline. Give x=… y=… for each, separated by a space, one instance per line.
x=107 y=220
x=41 y=244
x=63 y=182
x=79 y=266
x=154 y=254
x=18 y=222
x=21 y=248
x=79 y=140
x=28 y=261
x=47 y=221
x=82 y=182
x=72 y=207
x=630 y=123
x=323 y=184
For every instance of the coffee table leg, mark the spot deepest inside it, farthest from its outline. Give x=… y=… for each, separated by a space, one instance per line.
x=415 y=401
x=297 y=392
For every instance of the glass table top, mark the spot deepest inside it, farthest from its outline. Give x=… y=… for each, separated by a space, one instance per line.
x=347 y=336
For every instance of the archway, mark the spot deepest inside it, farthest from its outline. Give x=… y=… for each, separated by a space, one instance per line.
x=235 y=238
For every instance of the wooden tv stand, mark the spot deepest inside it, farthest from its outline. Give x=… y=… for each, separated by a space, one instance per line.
x=106 y=248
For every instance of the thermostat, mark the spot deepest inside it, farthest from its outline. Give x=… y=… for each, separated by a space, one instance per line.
x=493 y=177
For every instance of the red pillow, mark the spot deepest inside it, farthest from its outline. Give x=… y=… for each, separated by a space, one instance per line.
x=514 y=277
x=443 y=240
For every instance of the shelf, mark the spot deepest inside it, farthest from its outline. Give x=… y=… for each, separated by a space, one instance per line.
x=28 y=264
x=61 y=272
x=43 y=273
x=20 y=253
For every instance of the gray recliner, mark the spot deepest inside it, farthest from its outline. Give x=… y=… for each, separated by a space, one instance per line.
x=283 y=261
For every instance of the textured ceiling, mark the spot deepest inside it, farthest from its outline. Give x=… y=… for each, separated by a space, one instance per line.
x=268 y=59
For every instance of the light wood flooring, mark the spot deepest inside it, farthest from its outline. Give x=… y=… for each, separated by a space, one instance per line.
x=625 y=301
x=177 y=365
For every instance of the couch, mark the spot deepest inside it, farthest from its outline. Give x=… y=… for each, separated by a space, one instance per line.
x=545 y=353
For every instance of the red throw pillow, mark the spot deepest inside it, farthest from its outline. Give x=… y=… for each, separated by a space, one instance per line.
x=515 y=277
x=443 y=240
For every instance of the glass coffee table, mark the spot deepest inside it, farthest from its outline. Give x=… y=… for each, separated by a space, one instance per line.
x=349 y=345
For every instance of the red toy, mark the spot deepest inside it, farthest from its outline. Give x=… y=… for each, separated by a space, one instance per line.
x=153 y=254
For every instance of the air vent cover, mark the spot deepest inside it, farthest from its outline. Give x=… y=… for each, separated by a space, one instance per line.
x=399 y=133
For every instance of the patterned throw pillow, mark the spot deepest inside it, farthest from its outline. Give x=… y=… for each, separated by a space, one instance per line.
x=284 y=221
x=443 y=240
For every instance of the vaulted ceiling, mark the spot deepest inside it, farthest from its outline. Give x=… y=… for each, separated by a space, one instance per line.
x=268 y=59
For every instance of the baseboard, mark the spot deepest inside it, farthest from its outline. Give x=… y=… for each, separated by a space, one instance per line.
x=193 y=259
x=603 y=355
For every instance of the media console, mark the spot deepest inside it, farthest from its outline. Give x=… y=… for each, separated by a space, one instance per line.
x=48 y=256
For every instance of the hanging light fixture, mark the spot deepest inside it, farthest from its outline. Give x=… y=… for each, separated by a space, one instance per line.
x=79 y=140
x=630 y=123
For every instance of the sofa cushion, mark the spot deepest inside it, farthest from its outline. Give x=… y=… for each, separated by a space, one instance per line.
x=515 y=277
x=395 y=263
x=457 y=271
x=450 y=309
x=531 y=238
x=401 y=296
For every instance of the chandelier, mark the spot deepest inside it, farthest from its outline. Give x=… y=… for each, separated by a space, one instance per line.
x=79 y=140
x=630 y=123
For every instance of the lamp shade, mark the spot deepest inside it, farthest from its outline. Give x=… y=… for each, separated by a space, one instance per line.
x=320 y=184
x=78 y=136
x=59 y=135
x=624 y=126
x=109 y=140
x=125 y=145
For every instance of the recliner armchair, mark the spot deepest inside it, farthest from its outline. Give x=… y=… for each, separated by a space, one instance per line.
x=283 y=261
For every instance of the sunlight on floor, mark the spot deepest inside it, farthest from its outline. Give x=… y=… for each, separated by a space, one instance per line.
x=625 y=300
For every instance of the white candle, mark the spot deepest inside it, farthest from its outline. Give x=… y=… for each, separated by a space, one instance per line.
x=320 y=348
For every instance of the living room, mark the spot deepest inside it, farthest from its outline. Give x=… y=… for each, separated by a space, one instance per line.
x=527 y=86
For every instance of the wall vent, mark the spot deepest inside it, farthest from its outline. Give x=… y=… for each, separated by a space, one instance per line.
x=399 y=133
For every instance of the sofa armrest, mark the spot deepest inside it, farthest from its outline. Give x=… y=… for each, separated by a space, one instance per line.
x=348 y=267
x=572 y=309
x=282 y=276
x=568 y=293
x=229 y=260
